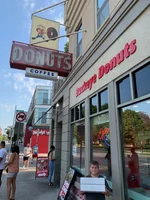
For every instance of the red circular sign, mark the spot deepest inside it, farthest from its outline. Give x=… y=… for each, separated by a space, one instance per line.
x=21 y=116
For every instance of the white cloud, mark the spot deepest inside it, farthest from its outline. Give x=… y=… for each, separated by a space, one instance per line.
x=60 y=18
x=29 y=4
x=7 y=107
x=7 y=75
x=21 y=83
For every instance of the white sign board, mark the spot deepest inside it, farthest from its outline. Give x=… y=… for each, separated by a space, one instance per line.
x=92 y=184
x=21 y=116
x=41 y=74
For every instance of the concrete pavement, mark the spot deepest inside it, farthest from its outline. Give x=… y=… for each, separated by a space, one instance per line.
x=30 y=189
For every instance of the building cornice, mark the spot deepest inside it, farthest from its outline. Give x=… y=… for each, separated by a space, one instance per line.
x=123 y=17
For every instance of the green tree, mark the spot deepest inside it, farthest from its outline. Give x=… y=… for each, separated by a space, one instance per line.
x=66 y=47
x=132 y=125
x=3 y=137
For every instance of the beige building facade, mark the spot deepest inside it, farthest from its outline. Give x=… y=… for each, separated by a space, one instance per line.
x=101 y=110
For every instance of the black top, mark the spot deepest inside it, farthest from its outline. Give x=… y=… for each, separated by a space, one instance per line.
x=95 y=195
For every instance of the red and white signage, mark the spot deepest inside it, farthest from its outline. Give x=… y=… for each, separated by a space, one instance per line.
x=25 y=55
x=20 y=117
x=42 y=168
x=129 y=49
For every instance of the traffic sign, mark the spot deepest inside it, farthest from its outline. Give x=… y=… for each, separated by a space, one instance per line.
x=21 y=117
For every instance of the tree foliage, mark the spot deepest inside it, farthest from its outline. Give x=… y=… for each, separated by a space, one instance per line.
x=3 y=137
x=133 y=124
x=66 y=47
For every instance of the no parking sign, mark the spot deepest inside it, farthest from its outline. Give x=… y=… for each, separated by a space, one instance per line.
x=21 y=116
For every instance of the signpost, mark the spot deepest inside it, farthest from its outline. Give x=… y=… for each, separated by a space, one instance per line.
x=41 y=167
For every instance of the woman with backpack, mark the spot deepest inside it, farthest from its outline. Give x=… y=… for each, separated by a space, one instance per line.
x=51 y=164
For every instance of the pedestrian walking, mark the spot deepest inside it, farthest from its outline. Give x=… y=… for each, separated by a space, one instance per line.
x=26 y=157
x=94 y=173
x=13 y=169
x=3 y=154
x=51 y=164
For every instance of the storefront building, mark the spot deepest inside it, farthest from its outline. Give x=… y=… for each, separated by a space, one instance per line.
x=37 y=127
x=105 y=100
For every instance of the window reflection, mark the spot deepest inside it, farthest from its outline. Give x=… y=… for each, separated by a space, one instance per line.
x=124 y=90
x=72 y=114
x=82 y=110
x=101 y=142
x=142 y=81
x=136 y=132
x=103 y=100
x=77 y=112
x=78 y=146
x=93 y=105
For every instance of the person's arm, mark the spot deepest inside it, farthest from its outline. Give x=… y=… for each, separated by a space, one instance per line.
x=10 y=160
x=108 y=189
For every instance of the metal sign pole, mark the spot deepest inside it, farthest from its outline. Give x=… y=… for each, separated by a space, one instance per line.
x=62 y=2
x=18 y=132
x=61 y=36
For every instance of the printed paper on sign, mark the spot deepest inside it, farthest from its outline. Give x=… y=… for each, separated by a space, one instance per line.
x=42 y=30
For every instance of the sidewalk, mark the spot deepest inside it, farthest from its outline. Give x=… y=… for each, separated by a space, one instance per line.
x=30 y=189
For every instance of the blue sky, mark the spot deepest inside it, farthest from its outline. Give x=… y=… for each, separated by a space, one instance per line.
x=15 y=18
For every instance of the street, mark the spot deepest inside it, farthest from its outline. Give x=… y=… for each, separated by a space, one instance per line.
x=30 y=189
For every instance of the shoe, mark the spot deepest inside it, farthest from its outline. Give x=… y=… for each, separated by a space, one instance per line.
x=23 y=167
x=50 y=184
x=26 y=168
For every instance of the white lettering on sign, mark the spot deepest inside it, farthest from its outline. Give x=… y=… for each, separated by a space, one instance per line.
x=41 y=132
x=17 y=53
x=44 y=174
x=40 y=58
x=42 y=74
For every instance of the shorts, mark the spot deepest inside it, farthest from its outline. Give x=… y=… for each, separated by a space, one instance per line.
x=12 y=174
x=25 y=158
x=1 y=172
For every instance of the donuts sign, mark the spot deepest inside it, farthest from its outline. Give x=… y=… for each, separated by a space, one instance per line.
x=25 y=55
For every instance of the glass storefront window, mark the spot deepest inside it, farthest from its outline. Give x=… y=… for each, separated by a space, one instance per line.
x=39 y=112
x=124 y=90
x=142 y=81
x=103 y=100
x=72 y=114
x=76 y=112
x=93 y=105
x=136 y=133
x=78 y=146
x=82 y=110
x=42 y=97
x=101 y=143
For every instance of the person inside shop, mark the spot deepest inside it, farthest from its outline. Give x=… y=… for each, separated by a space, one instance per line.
x=51 y=164
x=94 y=173
x=133 y=166
x=27 y=156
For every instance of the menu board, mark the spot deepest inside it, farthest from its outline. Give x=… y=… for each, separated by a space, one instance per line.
x=66 y=185
x=41 y=167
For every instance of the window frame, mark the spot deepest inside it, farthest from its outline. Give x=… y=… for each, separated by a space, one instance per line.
x=99 y=11
x=79 y=43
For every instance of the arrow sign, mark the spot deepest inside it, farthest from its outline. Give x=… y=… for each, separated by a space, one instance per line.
x=20 y=117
